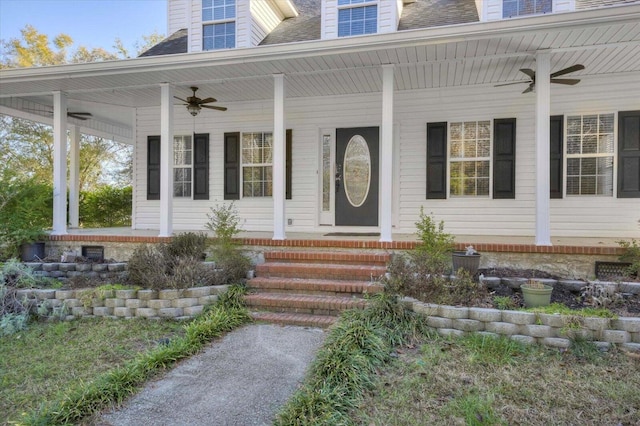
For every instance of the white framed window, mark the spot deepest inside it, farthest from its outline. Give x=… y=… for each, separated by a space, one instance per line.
x=219 y=25
x=182 y=166
x=590 y=151
x=357 y=17
x=469 y=158
x=511 y=8
x=257 y=164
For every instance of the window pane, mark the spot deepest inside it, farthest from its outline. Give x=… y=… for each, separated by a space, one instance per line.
x=590 y=144
x=470 y=177
x=573 y=185
x=573 y=144
x=605 y=144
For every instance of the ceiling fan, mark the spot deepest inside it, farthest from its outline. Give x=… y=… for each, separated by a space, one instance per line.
x=77 y=115
x=194 y=103
x=532 y=77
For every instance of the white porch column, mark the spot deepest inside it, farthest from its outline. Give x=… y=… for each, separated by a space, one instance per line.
x=166 y=160
x=543 y=109
x=59 y=163
x=278 y=157
x=74 y=178
x=386 y=154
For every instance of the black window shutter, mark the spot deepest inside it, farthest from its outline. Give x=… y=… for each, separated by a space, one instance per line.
x=153 y=167
x=504 y=158
x=437 y=161
x=629 y=154
x=232 y=166
x=288 y=163
x=201 y=166
x=556 y=148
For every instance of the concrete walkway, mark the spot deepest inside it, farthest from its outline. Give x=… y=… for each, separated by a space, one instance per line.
x=243 y=379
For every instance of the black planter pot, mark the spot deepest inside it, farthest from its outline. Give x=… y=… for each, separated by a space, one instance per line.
x=31 y=252
x=469 y=263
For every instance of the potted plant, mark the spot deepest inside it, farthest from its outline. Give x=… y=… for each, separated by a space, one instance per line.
x=536 y=293
x=469 y=260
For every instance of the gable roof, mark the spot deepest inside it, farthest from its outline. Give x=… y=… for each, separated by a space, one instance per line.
x=175 y=43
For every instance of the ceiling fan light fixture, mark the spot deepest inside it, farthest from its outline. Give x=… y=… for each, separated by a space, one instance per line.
x=193 y=109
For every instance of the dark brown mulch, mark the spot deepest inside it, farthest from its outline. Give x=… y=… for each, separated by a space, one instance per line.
x=628 y=307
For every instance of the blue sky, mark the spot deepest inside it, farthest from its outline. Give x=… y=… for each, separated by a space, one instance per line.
x=90 y=23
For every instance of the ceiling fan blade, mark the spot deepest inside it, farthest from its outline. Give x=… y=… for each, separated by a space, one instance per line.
x=88 y=114
x=219 y=108
x=529 y=72
x=79 y=116
x=567 y=81
x=576 y=67
x=512 y=83
x=529 y=89
x=207 y=100
x=180 y=99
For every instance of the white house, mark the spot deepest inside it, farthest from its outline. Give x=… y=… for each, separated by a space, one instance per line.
x=349 y=115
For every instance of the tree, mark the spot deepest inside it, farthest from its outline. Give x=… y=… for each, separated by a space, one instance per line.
x=27 y=146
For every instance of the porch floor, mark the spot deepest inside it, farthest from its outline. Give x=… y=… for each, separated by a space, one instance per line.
x=587 y=245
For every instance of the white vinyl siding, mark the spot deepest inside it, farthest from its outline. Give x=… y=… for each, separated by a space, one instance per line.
x=177 y=15
x=265 y=16
x=571 y=216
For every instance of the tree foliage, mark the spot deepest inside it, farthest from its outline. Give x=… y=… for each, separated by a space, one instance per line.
x=106 y=206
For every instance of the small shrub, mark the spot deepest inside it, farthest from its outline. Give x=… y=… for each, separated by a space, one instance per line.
x=188 y=244
x=504 y=303
x=12 y=323
x=224 y=222
x=631 y=254
x=149 y=267
x=106 y=206
x=435 y=245
x=601 y=296
x=189 y=272
x=16 y=274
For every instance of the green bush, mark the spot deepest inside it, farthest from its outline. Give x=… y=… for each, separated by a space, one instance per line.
x=107 y=206
x=25 y=212
x=224 y=222
x=631 y=254
x=188 y=244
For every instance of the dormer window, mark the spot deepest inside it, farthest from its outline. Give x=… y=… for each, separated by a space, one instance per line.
x=357 y=17
x=512 y=8
x=218 y=24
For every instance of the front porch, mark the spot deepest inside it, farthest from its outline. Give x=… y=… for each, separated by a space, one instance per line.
x=568 y=257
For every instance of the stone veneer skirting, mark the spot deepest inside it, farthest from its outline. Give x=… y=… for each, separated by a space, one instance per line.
x=551 y=330
x=94 y=302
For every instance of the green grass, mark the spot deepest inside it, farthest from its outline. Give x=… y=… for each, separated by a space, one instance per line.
x=486 y=381
x=559 y=308
x=41 y=362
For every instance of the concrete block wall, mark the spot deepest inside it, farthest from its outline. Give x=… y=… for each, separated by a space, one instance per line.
x=92 y=302
x=553 y=330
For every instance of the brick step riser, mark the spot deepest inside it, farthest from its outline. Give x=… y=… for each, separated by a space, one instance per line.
x=328 y=258
x=292 y=310
x=327 y=261
x=308 y=292
x=349 y=289
x=294 y=319
x=283 y=271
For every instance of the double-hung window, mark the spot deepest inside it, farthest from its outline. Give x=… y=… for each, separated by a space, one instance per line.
x=257 y=164
x=219 y=24
x=590 y=154
x=511 y=8
x=357 y=17
x=469 y=158
x=182 y=166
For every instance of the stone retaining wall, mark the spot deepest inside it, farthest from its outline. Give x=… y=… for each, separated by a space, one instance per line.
x=552 y=330
x=176 y=304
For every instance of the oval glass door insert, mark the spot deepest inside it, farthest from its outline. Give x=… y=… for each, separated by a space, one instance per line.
x=357 y=170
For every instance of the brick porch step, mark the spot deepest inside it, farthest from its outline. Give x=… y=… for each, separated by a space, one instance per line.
x=343 y=258
x=305 y=304
x=304 y=320
x=320 y=271
x=339 y=288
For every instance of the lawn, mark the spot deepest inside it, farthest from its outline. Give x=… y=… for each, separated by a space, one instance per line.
x=480 y=380
x=36 y=365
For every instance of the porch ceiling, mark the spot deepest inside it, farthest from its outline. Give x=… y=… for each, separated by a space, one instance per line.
x=606 y=41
